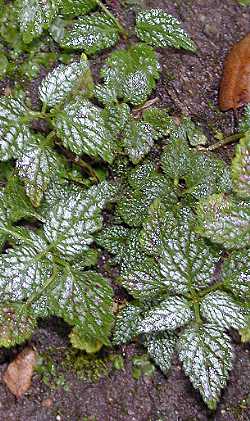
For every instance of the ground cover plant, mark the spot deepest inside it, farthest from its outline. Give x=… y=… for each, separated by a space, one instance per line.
x=179 y=231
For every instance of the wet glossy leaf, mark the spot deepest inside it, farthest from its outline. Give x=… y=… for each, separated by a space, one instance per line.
x=83 y=130
x=131 y=73
x=241 y=167
x=206 y=354
x=234 y=86
x=92 y=34
x=225 y=220
x=159 y=29
x=63 y=81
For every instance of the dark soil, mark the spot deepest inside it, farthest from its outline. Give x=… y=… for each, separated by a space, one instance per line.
x=189 y=85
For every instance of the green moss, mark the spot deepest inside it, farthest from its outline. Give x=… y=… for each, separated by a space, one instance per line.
x=87 y=367
x=50 y=374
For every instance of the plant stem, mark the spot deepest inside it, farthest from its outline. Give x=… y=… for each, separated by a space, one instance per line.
x=86 y=167
x=223 y=142
x=108 y=13
x=37 y=114
x=78 y=161
x=197 y=313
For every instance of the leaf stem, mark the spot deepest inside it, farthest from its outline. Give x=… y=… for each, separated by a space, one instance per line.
x=223 y=142
x=108 y=13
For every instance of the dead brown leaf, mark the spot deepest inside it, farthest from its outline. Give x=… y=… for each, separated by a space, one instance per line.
x=18 y=375
x=235 y=83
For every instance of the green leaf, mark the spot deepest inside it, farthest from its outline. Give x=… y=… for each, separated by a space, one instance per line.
x=70 y=223
x=171 y=313
x=146 y=186
x=22 y=271
x=126 y=324
x=245 y=333
x=79 y=341
x=36 y=165
x=157 y=221
x=16 y=324
x=131 y=73
x=63 y=81
x=114 y=239
x=193 y=132
x=235 y=273
x=137 y=140
x=77 y=7
x=105 y=94
x=219 y=308
x=34 y=16
x=203 y=174
x=82 y=130
x=21 y=207
x=123 y=243
x=40 y=275
x=241 y=167
x=185 y=259
x=116 y=118
x=11 y=210
x=244 y=124
x=84 y=300
x=13 y=131
x=143 y=279
x=161 y=348
x=159 y=120
x=92 y=34
x=225 y=220
x=244 y=2
x=206 y=354
x=159 y=29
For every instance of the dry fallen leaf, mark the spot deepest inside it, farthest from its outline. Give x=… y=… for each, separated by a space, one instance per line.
x=18 y=375
x=235 y=83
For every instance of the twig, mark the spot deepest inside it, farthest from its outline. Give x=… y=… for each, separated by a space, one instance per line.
x=223 y=142
x=108 y=13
